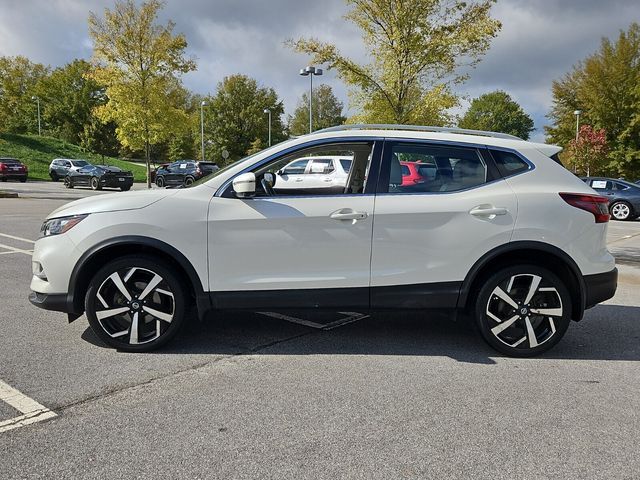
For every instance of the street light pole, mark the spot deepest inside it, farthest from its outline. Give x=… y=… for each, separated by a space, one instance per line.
x=310 y=72
x=266 y=110
x=577 y=114
x=202 y=105
x=39 y=124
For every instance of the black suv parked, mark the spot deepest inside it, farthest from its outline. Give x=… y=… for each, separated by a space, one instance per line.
x=184 y=172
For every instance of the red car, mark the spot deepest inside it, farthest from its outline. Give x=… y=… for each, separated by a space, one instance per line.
x=10 y=168
x=414 y=173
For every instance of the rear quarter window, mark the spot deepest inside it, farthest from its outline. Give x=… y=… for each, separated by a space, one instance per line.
x=509 y=163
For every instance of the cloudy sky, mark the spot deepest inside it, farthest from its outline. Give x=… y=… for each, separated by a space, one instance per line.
x=539 y=41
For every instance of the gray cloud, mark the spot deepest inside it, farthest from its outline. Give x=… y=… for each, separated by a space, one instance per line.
x=539 y=42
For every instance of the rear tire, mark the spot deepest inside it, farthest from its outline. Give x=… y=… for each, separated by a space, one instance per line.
x=188 y=181
x=95 y=184
x=136 y=303
x=523 y=310
x=23 y=180
x=621 y=211
x=54 y=176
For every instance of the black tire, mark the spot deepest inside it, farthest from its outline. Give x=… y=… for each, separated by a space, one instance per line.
x=621 y=210
x=188 y=181
x=67 y=182
x=95 y=183
x=516 y=329
x=23 y=180
x=125 y=189
x=151 y=331
x=160 y=182
x=54 y=176
x=4 y=179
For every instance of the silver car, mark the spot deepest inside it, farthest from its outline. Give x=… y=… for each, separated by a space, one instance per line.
x=60 y=167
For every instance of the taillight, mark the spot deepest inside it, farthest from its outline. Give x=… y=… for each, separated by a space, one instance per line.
x=3 y=166
x=595 y=204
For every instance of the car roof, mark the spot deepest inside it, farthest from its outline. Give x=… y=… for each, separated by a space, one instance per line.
x=8 y=159
x=462 y=136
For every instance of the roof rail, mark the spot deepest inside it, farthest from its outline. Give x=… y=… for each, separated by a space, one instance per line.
x=417 y=128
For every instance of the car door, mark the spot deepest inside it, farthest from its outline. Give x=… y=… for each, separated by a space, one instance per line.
x=82 y=176
x=292 y=175
x=302 y=250
x=427 y=236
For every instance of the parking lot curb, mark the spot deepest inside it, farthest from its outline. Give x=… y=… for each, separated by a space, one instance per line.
x=8 y=194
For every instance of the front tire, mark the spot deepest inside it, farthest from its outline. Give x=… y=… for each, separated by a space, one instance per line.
x=95 y=184
x=523 y=310
x=67 y=182
x=621 y=211
x=135 y=303
x=160 y=182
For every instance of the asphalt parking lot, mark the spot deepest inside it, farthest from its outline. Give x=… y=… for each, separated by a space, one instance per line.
x=258 y=396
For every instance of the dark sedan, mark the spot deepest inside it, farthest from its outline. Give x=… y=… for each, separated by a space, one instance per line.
x=184 y=172
x=12 y=169
x=624 y=197
x=98 y=176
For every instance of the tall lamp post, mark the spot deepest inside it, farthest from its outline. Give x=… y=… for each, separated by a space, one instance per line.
x=577 y=114
x=39 y=124
x=310 y=72
x=266 y=110
x=202 y=105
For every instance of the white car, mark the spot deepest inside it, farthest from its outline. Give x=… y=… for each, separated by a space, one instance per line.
x=324 y=174
x=501 y=231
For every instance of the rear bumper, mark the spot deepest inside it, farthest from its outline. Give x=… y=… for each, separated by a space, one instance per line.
x=600 y=287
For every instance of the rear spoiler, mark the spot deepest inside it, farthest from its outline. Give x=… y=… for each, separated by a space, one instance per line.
x=550 y=151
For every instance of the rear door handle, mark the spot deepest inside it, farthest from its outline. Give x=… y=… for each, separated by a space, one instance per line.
x=487 y=211
x=348 y=214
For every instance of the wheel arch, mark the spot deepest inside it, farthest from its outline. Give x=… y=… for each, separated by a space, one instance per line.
x=101 y=253
x=537 y=253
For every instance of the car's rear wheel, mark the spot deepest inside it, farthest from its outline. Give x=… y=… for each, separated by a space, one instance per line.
x=54 y=176
x=523 y=310
x=95 y=184
x=67 y=182
x=135 y=303
x=621 y=211
x=188 y=181
x=160 y=182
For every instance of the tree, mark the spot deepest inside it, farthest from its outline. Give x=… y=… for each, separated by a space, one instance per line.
x=497 y=112
x=18 y=79
x=100 y=137
x=589 y=150
x=416 y=48
x=606 y=88
x=235 y=118
x=70 y=96
x=138 y=61
x=327 y=111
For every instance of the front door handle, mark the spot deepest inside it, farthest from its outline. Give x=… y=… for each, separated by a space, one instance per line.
x=487 y=211
x=348 y=214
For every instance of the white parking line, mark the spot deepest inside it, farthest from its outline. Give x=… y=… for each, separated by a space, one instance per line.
x=351 y=317
x=31 y=410
x=16 y=250
x=17 y=238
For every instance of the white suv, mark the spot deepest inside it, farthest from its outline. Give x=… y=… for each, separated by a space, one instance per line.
x=318 y=174
x=501 y=231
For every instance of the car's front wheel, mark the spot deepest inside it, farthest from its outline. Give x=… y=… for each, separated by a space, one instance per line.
x=621 y=211
x=135 y=303
x=67 y=182
x=523 y=310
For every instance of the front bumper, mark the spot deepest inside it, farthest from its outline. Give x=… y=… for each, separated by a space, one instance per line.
x=600 y=287
x=56 y=302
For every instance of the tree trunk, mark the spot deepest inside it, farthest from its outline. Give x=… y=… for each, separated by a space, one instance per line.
x=147 y=154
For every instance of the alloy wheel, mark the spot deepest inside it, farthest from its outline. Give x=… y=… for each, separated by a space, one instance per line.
x=620 y=211
x=134 y=306
x=523 y=311
x=67 y=182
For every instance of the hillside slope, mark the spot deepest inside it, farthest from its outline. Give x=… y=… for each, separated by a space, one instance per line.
x=37 y=152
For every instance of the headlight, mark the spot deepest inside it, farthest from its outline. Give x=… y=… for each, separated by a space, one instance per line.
x=56 y=226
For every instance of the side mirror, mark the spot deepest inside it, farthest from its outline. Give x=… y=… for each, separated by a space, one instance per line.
x=245 y=185
x=270 y=178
